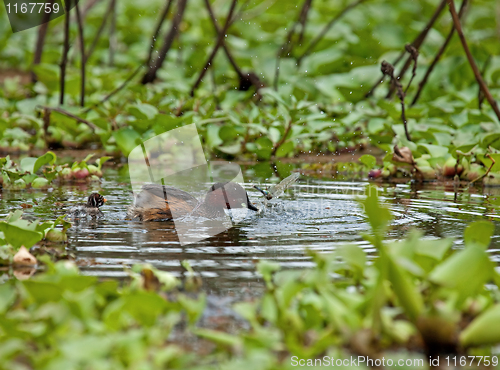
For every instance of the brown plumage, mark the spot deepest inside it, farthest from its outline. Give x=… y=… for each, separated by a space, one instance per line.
x=160 y=202
x=91 y=208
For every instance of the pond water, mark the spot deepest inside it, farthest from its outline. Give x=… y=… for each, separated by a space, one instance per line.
x=315 y=213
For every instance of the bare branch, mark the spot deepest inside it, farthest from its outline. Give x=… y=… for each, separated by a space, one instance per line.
x=477 y=73
x=68 y=114
x=324 y=31
x=416 y=43
x=218 y=44
x=156 y=63
x=82 y=53
x=162 y=18
x=64 y=61
x=438 y=55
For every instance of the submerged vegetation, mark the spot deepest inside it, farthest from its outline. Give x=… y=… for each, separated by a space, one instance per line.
x=419 y=298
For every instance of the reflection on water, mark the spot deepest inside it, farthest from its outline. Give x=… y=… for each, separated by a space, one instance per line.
x=316 y=214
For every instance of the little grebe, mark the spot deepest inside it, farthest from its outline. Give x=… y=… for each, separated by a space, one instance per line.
x=160 y=202
x=91 y=208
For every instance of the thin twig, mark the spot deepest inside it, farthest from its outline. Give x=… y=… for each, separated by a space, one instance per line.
x=477 y=73
x=246 y=79
x=440 y=52
x=224 y=46
x=70 y=115
x=287 y=46
x=99 y=31
x=115 y=91
x=112 y=34
x=156 y=63
x=388 y=70
x=40 y=41
x=487 y=171
x=417 y=42
x=303 y=19
x=414 y=56
x=162 y=18
x=282 y=140
x=64 y=61
x=218 y=44
x=82 y=53
x=46 y=124
x=480 y=95
x=324 y=31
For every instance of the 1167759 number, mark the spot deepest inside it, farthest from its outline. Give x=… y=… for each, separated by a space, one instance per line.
x=31 y=8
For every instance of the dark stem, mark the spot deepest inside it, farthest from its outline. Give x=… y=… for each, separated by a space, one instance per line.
x=99 y=31
x=480 y=95
x=82 y=53
x=163 y=16
x=287 y=46
x=40 y=42
x=70 y=115
x=112 y=33
x=156 y=63
x=224 y=46
x=46 y=124
x=282 y=140
x=324 y=31
x=440 y=52
x=477 y=73
x=416 y=43
x=487 y=171
x=303 y=19
x=115 y=91
x=64 y=61
x=218 y=44
x=388 y=70
x=414 y=56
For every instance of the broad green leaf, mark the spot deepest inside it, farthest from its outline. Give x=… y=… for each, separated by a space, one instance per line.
x=127 y=139
x=18 y=236
x=435 y=249
x=27 y=164
x=47 y=158
x=353 y=255
x=368 y=160
x=465 y=271
x=483 y=330
x=479 y=232
x=408 y=295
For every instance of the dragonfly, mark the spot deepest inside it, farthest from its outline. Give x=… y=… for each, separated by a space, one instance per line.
x=278 y=189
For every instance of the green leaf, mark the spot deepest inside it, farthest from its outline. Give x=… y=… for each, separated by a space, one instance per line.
x=143 y=111
x=127 y=139
x=368 y=160
x=285 y=149
x=353 y=255
x=487 y=161
x=408 y=296
x=218 y=337
x=435 y=249
x=435 y=151
x=47 y=158
x=483 y=330
x=465 y=271
x=101 y=161
x=27 y=164
x=479 y=232
x=18 y=236
x=378 y=216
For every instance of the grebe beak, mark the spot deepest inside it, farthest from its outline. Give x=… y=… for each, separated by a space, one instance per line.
x=104 y=200
x=252 y=207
